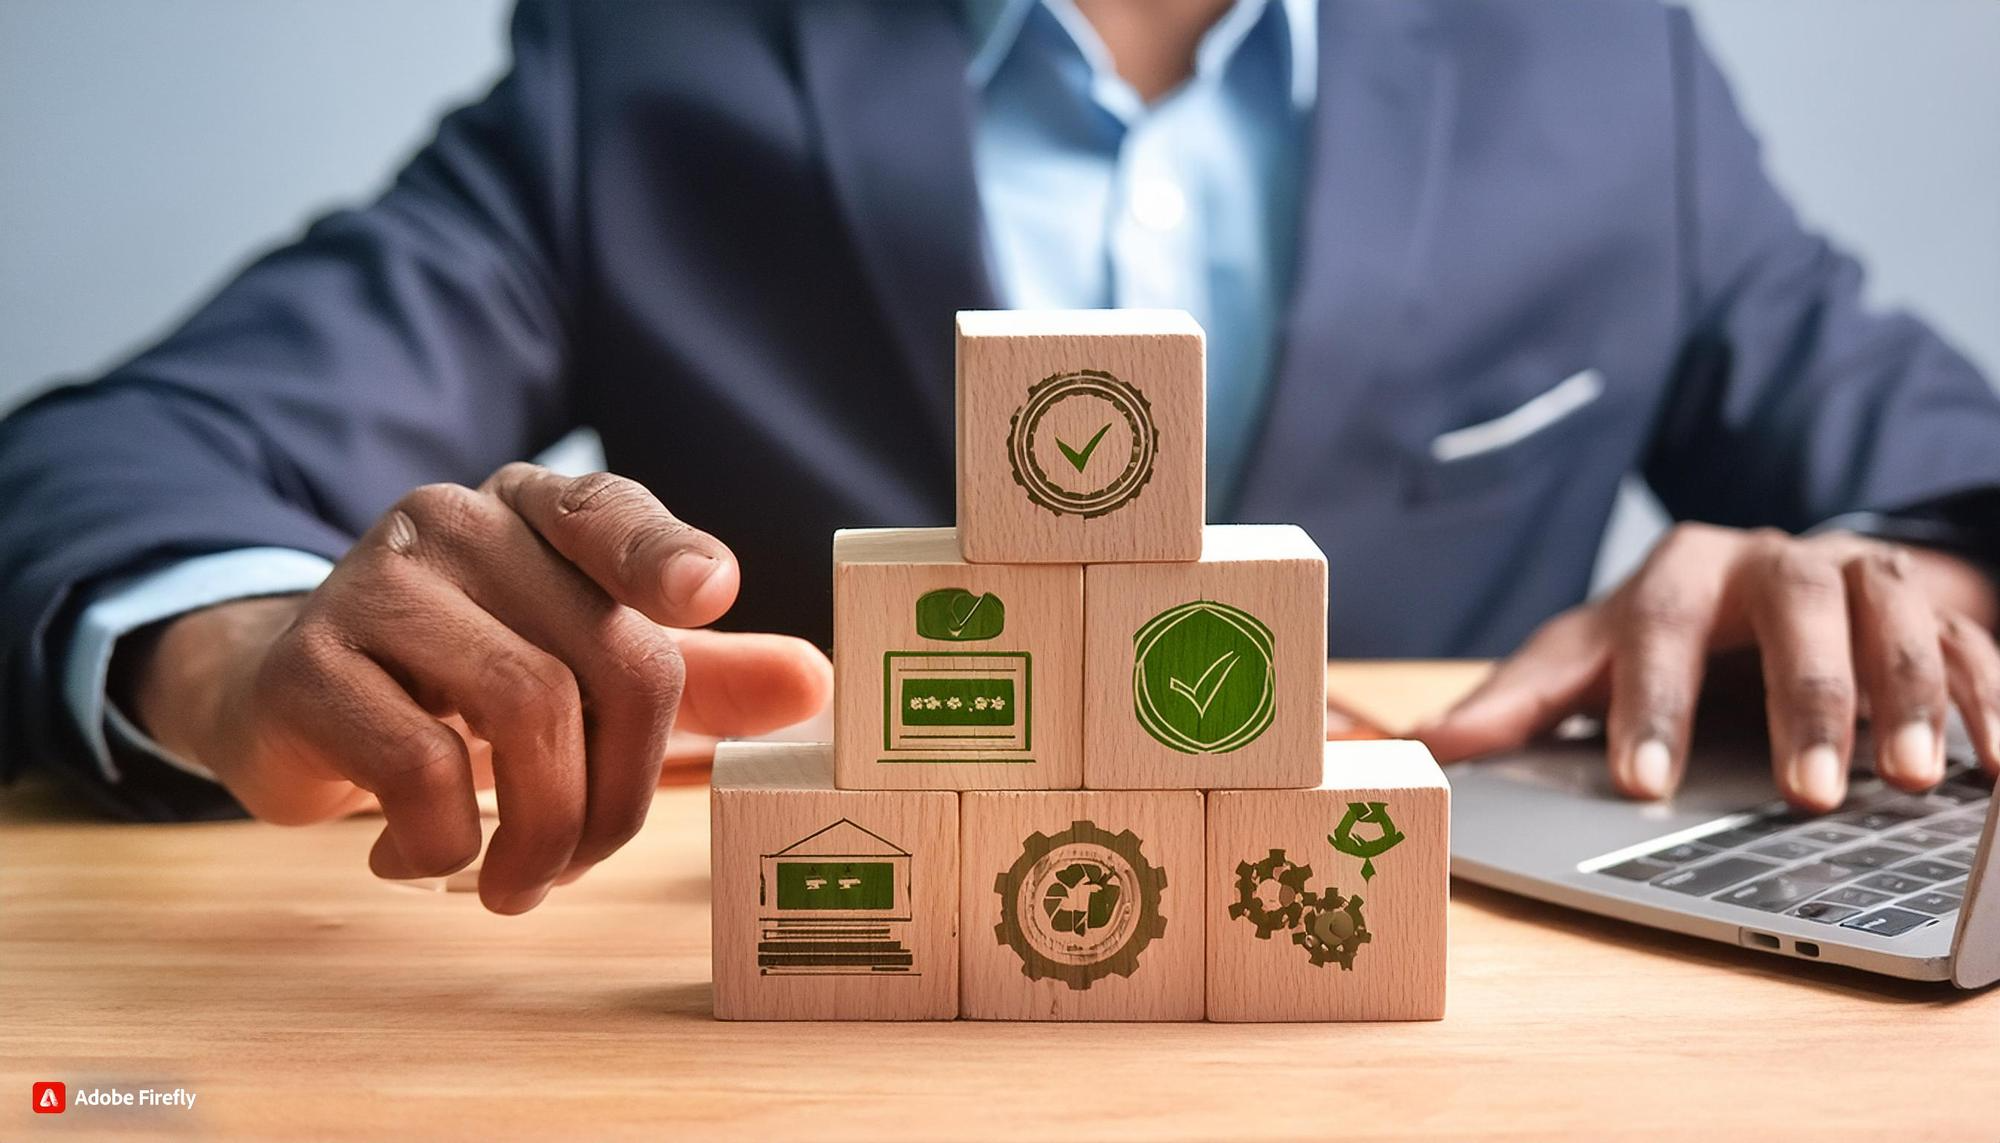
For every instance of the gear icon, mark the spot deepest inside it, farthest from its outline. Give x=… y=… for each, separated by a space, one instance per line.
x=1080 y=906
x=1332 y=929
x=1288 y=882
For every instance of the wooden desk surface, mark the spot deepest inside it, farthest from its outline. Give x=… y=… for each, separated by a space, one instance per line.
x=263 y=969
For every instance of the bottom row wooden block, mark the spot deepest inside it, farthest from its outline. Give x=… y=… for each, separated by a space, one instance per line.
x=1275 y=905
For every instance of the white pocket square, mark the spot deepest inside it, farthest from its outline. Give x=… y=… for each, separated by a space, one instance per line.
x=1511 y=428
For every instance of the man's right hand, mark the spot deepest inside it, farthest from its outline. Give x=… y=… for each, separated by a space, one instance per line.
x=534 y=610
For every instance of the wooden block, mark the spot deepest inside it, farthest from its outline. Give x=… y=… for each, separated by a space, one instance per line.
x=1081 y=905
x=949 y=675
x=1208 y=675
x=829 y=904
x=1329 y=903
x=1081 y=435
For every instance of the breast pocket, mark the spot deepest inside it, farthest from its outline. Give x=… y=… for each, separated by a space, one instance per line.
x=1530 y=436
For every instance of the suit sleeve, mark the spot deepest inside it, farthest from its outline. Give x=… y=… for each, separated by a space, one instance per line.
x=1793 y=404
x=423 y=338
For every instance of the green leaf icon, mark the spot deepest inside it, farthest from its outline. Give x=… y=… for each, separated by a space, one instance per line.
x=955 y=615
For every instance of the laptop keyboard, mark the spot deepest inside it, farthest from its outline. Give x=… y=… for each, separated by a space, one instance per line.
x=1887 y=863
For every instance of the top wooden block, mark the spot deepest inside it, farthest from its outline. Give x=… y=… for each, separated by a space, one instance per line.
x=1081 y=436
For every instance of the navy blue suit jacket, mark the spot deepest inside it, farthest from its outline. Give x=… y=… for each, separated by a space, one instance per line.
x=732 y=236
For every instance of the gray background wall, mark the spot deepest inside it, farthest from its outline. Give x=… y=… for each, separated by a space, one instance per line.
x=147 y=148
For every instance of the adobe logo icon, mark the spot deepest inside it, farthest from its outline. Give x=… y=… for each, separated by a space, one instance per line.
x=51 y=1097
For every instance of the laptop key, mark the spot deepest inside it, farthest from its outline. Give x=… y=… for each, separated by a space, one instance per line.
x=1770 y=894
x=1964 y=856
x=1931 y=869
x=1960 y=827
x=1683 y=853
x=1868 y=857
x=1875 y=819
x=1964 y=790
x=1702 y=880
x=1891 y=922
x=1785 y=849
x=1830 y=834
x=1921 y=837
x=1637 y=869
x=1850 y=895
x=1825 y=912
x=1935 y=903
x=1819 y=873
x=1743 y=834
x=1895 y=883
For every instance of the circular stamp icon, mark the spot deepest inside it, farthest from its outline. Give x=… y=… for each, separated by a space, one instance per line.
x=1080 y=906
x=1202 y=679
x=1083 y=443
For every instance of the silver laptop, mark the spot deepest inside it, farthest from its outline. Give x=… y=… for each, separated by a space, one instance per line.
x=1892 y=883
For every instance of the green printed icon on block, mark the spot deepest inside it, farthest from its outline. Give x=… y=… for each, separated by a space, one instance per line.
x=1202 y=679
x=955 y=615
x=835 y=903
x=1366 y=847
x=955 y=702
x=1081 y=905
x=1083 y=443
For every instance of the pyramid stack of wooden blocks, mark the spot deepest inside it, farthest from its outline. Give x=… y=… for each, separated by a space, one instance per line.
x=1078 y=768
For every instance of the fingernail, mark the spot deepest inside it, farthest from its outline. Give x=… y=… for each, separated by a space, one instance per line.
x=1652 y=768
x=1914 y=751
x=686 y=574
x=1816 y=775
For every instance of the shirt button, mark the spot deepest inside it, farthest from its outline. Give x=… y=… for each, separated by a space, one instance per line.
x=1157 y=204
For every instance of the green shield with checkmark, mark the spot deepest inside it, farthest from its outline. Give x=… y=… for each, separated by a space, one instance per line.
x=1202 y=679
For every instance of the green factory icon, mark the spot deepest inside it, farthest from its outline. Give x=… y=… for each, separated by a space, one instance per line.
x=835 y=903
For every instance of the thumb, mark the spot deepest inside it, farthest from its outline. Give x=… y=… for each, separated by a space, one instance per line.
x=741 y=683
x=1528 y=693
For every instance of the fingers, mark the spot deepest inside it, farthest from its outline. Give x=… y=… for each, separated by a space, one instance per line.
x=450 y=655
x=1798 y=610
x=619 y=535
x=338 y=707
x=1973 y=665
x=627 y=669
x=1662 y=624
x=1901 y=667
x=1538 y=686
x=741 y=684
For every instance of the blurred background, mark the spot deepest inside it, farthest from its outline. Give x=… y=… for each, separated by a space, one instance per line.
x=148 y=148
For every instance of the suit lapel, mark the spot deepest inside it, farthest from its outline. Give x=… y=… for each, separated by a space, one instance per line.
x=1378 y=155
x=888 y=92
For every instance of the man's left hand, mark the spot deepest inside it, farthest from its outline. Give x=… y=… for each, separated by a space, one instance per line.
x=1838 y=621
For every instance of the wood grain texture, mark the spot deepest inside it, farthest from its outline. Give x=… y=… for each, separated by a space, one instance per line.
x=1023 y=848
x=1399 y=972
x=881 y=664
x=303 y=999
x=1275 y=575
x=1082 y=452
x=793 y=940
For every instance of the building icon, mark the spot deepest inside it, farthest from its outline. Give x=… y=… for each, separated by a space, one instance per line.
x=835 y=903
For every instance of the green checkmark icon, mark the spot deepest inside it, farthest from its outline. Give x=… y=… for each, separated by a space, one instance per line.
x=1081 y=457
x=1204 y=690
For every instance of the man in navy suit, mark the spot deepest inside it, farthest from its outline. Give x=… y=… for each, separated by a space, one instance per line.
x=1464 y=265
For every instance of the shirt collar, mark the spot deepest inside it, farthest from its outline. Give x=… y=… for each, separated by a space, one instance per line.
x=995 y=26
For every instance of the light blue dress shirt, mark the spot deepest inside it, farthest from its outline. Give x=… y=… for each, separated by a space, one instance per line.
x=1091 y=199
